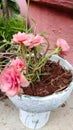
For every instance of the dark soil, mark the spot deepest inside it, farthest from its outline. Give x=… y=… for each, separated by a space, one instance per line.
x=58 y=79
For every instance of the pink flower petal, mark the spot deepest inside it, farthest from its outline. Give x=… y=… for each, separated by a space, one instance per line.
x=13 y=92
x=63 y=44
x=24 y=81
x=19 y=37
x=19 y=64
x=10 y=80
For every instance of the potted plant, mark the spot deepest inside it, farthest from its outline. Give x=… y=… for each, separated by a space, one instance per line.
x=22 y=75
x=35 y=81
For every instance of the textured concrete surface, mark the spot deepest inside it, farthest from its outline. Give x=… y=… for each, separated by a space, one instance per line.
x=60 y=119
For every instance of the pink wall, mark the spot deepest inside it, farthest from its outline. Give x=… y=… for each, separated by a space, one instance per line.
x=57 y=24
x=23 y=6
x=64 y=3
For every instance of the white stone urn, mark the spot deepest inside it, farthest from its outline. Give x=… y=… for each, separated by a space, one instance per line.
x=34 y=111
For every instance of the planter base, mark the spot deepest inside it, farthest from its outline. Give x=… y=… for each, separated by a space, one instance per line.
x=34 y=120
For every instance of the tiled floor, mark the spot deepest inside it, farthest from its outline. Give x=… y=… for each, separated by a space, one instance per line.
x=60 y=119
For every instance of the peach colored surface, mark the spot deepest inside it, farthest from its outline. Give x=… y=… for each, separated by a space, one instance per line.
x=23 y=6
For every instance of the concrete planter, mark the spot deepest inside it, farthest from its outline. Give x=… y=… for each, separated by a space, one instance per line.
x=34 y=111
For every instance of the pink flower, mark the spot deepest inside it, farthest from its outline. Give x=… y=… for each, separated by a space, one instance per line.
x=19 y=64
x=33 y=41
x=11 y=80
x=19 y=37
x=37 y=40
x=63 y=44
x=28 y=40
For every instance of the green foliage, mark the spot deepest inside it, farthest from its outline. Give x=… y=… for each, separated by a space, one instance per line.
x=9 y=5
x=11 y=26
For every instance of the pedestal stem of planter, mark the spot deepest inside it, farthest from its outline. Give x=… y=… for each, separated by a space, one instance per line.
x=34 y=120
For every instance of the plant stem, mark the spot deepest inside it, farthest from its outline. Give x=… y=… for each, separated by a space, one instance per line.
x=28 y=3
x=23 y=55
x=2 y=46
x=35 y=54
x=45 y=58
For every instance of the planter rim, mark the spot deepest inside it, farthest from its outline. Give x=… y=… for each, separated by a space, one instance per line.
x=54 y=94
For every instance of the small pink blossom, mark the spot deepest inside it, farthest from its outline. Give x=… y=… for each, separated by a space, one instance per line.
x=19 y=37
x=63 y=44
x=30 y=37
x=19 y=64
x=11 y=80
x=33 y=41
x=37 y=40
x=28 y=40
